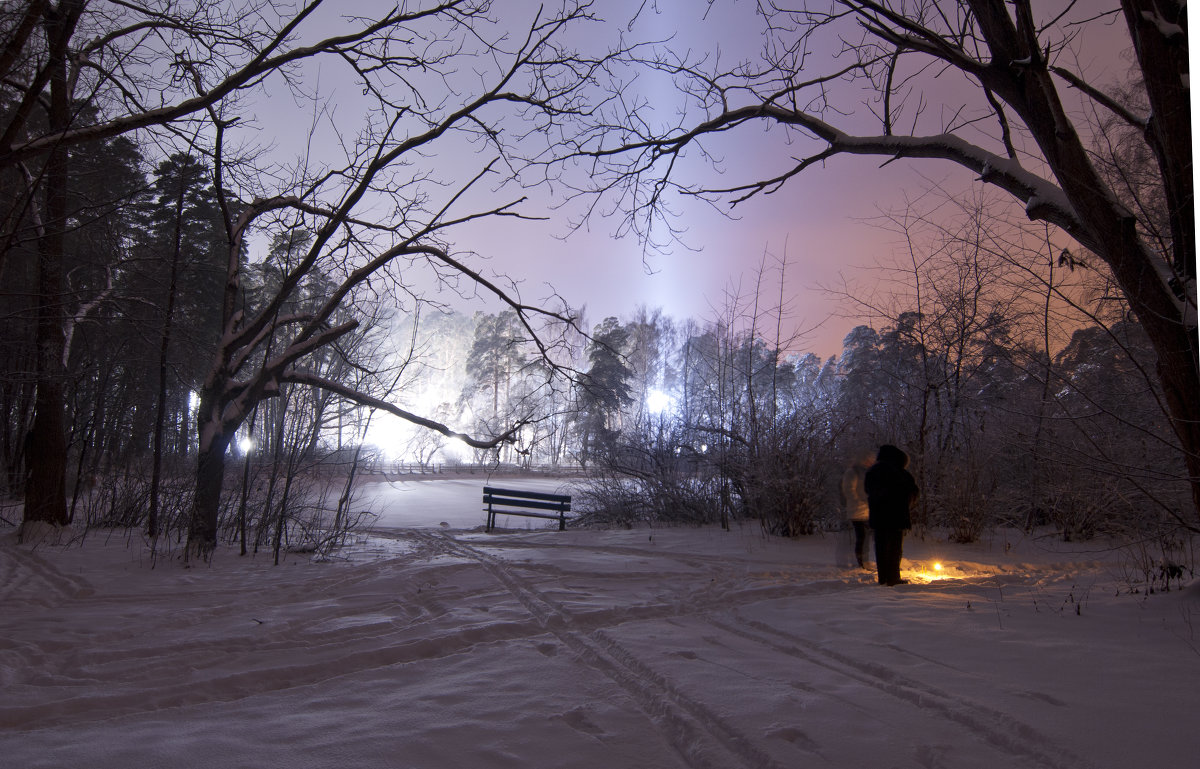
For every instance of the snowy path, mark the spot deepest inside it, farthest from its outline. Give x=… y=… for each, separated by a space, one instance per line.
x=663 y=648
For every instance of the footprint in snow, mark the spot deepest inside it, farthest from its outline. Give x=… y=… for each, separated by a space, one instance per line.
x=578 y=720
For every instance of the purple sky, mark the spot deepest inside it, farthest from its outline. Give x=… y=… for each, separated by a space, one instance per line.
x=821 y=220
x=818 y=221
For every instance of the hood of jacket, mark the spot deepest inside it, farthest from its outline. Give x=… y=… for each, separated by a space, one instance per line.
x=892 y=455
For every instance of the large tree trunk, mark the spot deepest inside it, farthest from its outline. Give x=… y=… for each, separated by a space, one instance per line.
x=1177 y=370
x=1107 y=227
x=46 y=460
x=46 y=444
x=1163 y=58
x=210 y=478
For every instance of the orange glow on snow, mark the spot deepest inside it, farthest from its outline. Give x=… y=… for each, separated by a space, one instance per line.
x=931 y=573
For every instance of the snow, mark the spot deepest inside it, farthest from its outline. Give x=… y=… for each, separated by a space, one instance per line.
x=1165 y=28
x=431 y=501
x=442 y=646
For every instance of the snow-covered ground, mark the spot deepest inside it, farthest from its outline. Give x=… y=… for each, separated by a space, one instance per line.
x=442 y=646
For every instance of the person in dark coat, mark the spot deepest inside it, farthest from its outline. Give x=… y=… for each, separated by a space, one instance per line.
x=891 y=491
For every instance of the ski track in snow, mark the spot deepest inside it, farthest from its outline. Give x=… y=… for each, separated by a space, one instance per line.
x=122 y=676
x=448 y=592
x=688 y=723
x=26 y=575
x=1002 y=730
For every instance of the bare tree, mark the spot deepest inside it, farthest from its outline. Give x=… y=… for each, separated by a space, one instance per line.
x=996 y=88
x=365 y=252
x=438 y=80
x=74 y=72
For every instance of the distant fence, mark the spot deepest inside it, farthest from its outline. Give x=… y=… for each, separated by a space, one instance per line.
x=374 y=463
x=467 y=468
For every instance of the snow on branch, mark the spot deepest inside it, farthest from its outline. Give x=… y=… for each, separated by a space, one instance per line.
x=1168 y=30
x=271 y=56
x=1102 y=98
x=313 y=380
x=1044 y=200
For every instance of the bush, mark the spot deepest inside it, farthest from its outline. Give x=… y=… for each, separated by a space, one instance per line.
x=653 y=475
x=665 y=473
x=781 y=478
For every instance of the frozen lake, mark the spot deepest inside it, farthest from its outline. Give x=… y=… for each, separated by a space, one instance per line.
x=454 y=503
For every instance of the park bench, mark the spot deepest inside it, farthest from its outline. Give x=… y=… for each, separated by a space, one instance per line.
x=533 y=504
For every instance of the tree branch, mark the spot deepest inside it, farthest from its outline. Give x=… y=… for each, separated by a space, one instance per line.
x=305 y=378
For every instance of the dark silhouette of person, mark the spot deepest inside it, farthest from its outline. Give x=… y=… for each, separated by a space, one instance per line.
x=891 y=491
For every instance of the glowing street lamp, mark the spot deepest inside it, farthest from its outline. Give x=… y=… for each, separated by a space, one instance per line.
x=658 y=401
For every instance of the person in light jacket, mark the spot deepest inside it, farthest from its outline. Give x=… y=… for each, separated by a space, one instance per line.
x=891 y=491
x=854 y=499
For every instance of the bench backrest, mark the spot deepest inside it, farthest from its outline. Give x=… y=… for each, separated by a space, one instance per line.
x=537 y=500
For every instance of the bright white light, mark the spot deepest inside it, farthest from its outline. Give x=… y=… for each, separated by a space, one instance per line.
x=658 y=401
x=246 y=444
x=456 y=450
x=389 y=435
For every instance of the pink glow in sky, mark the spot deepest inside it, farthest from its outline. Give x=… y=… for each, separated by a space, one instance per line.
x=818 y=221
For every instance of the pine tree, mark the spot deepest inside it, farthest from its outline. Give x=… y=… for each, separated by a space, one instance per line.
x=604 y=389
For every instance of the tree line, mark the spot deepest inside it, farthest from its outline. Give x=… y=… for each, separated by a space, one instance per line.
x=141 y=330
x=1008 y=93
x=1002 y=429
x=1023 y=402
